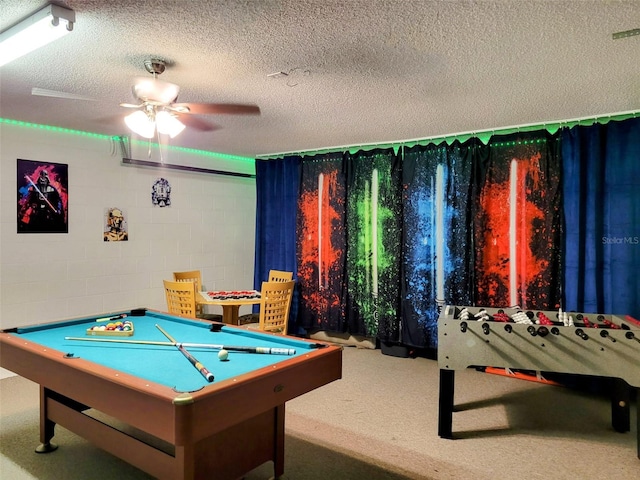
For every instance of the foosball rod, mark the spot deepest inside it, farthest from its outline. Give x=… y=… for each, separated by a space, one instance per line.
x=229 y=348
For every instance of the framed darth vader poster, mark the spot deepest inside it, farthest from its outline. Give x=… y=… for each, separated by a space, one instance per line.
x=43 y=197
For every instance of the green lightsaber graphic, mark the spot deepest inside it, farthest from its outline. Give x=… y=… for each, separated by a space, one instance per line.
x=374 y=233
x=439 y=227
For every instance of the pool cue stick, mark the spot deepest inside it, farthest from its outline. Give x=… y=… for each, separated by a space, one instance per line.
x=230 y=348
x=115 y=317
x=194 y=361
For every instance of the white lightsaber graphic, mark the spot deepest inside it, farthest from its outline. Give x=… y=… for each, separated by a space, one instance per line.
x=439 y=231
x=513 y=241
x=432 y=216
x=320 y=191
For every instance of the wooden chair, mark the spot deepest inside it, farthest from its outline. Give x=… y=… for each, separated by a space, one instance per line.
x=280 y=276
x=275 y=304
x=181 y=298
x=196 y=277
x=274 y=276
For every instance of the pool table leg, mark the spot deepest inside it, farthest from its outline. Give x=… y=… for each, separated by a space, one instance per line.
x=47 y=426
x=278 y=455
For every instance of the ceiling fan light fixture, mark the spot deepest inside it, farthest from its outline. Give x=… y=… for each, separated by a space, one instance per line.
x=168 y=124
x=156 y=90
x=35 y=31
x=140 y=123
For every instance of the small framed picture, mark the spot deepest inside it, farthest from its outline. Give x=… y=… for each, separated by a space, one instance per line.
x=115 y=225
x=161 y=193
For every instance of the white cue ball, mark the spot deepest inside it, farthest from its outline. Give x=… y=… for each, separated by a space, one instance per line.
x=223 y=355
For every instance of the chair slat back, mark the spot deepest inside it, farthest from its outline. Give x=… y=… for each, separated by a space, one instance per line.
x=181 y=298
x=280 y=276
x=275 y=305
x=191 y=276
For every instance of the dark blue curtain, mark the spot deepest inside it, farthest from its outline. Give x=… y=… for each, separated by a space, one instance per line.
x=277 y=191
x=602 y=218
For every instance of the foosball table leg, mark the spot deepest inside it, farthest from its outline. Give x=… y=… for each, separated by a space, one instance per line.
x=620 y=405
x=445 y=411
x=637 y=390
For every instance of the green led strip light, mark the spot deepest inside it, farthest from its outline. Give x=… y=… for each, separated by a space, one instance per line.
x=204 y=153
x=118 y=138
x=51 y=128
x=509 y=144
x=518 y=142
x=482 y=135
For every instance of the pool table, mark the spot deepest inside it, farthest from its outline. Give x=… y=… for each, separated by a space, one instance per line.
x=146 y=403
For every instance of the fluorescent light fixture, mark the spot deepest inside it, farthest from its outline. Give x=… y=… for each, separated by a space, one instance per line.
x=145 y=123
x=35 y=31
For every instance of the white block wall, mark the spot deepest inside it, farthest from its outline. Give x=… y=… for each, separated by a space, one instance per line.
x=46 y=277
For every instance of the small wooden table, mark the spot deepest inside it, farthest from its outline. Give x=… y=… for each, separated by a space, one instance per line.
x=229 y=302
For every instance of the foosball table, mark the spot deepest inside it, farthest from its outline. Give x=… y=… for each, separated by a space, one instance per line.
x=542 y=341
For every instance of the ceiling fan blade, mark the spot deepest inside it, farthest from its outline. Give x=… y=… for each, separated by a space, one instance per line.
x=152 y=89
x=196 y=123
x=43 y=92
x=110 y=119
x=218 y=108
x=131 y=105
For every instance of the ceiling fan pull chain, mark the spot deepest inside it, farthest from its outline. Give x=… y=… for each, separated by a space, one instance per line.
x=159 y=146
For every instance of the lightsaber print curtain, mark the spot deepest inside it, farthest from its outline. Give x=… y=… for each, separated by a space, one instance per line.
x=374 y=213
x=437 y=257
x=349 y=232
x=383 y=238
x=321 y=244
x=518 y=222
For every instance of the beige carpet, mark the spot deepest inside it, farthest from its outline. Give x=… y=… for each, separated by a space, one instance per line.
x=380 y=423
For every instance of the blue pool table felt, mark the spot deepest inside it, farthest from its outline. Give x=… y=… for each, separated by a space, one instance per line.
x=166 y=365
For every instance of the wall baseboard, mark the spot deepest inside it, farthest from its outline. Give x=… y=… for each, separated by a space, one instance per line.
x=344 y=339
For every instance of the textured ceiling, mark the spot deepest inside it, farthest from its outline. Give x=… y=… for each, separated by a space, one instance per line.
x=359 y=71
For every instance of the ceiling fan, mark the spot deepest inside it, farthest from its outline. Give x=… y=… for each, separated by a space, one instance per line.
x=158 y=109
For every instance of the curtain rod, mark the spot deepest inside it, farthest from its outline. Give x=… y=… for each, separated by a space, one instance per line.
x=453 y=136
x=145 y=163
